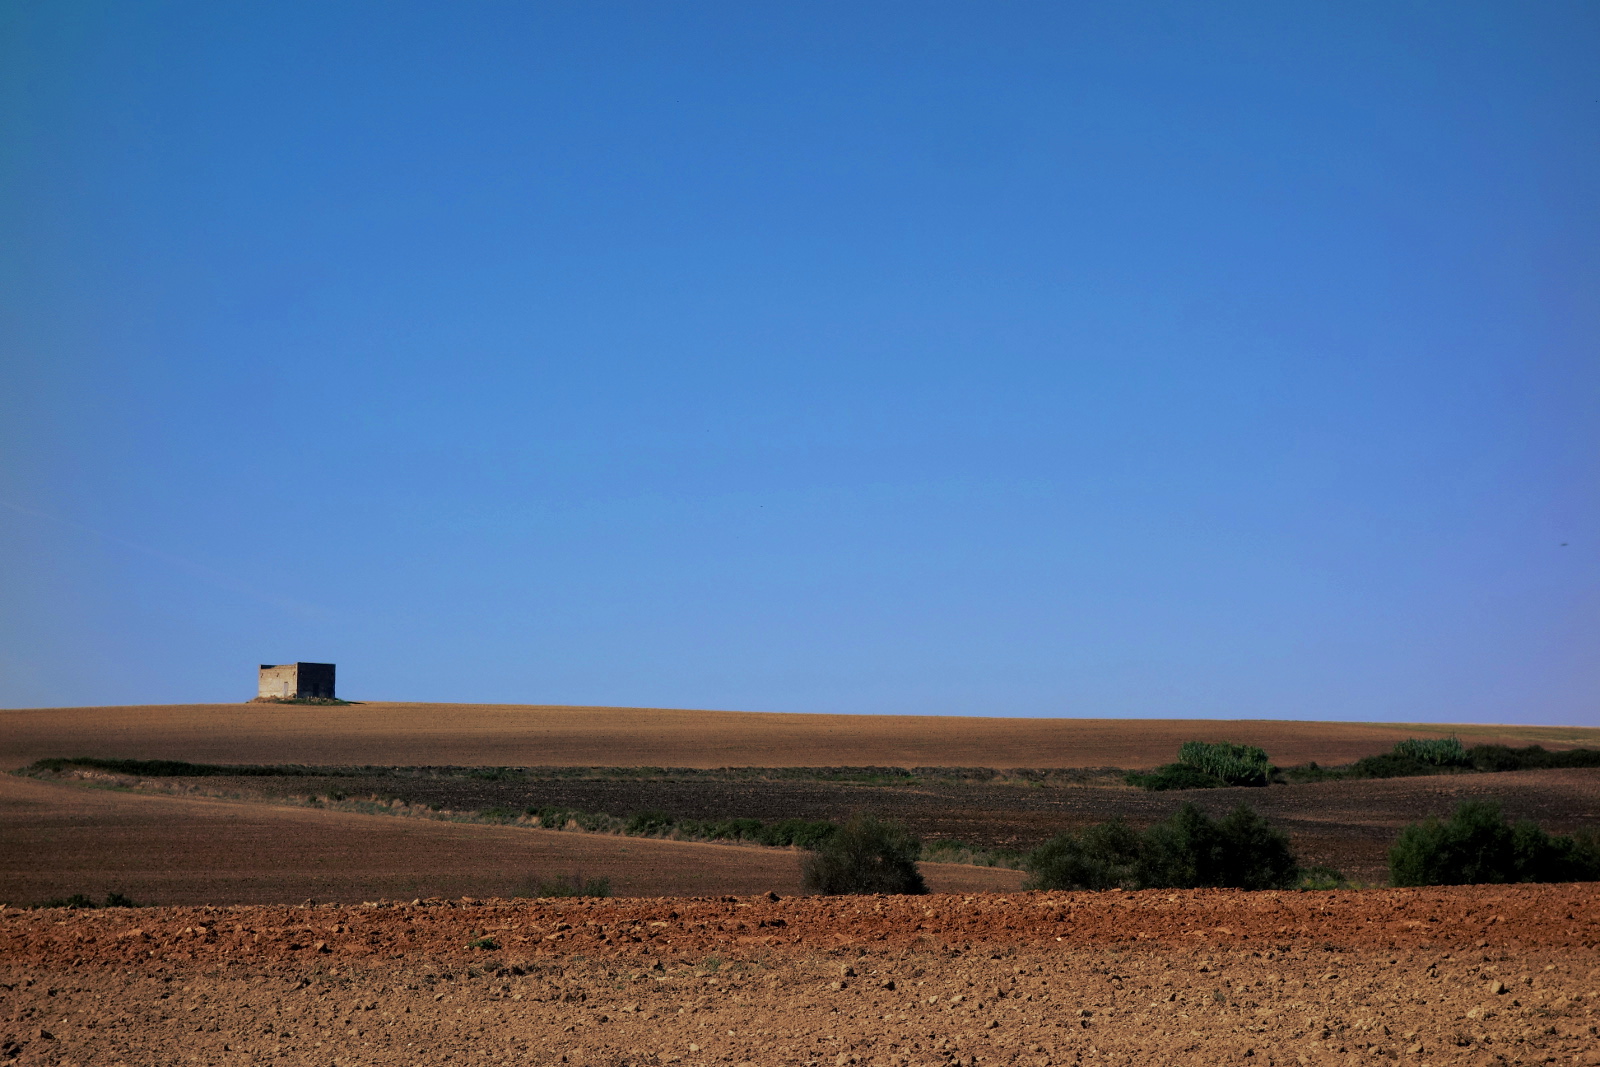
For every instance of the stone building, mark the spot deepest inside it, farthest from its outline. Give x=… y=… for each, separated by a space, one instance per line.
x=289 y=681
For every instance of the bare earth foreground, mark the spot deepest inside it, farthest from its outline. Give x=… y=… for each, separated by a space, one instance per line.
x=1477 y=975
x=502 y=735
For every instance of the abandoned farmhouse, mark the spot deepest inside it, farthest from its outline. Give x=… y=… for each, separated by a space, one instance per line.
x=290 y=681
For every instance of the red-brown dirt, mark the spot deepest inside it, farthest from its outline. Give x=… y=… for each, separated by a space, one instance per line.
x=57 y=840
x=1347 y=825
x=1478 y=975
x=531 y=735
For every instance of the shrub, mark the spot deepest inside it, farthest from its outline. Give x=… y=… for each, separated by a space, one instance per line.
x=1533 y=757
x=796 y=832
x=572 y=885
x=865 y=855
x=1322 y=878
x=1434 y=751
x=1228 y=763
x=79 y=900
x=1191 y=850
x=1413 y=757
x=1477 y=845
x=1209 y=765
x=1187 y=851
x=1174 y=776
x=646 y=823
x=1102 y=857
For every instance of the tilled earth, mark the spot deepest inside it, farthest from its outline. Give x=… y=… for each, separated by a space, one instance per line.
x=1348 y=825
x=1479 y=975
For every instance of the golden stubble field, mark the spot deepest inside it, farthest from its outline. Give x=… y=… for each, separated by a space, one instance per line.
x=398 y=734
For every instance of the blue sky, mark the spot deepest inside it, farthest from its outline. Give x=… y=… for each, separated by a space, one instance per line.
x=1003 y=359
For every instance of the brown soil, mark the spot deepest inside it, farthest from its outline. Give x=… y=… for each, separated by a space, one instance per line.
x=1347 y=825
x=530 y=735
x=1476 y=975
x=57 y=840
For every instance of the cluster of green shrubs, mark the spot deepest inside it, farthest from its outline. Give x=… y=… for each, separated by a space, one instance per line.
x=1188 y=851
x=865 y=855
x=800 y=833
x=78 y=901
x=1477 y=845
x=571 y=885
x=165 y=768
x=1212 y=765
x=1209 y=765
x=1414 y=757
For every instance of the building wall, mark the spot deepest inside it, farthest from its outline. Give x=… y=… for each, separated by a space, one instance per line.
x=286 y=681
x=316 y=679
x=279 y=682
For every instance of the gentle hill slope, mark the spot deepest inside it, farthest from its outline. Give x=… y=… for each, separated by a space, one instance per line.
x=544 y=735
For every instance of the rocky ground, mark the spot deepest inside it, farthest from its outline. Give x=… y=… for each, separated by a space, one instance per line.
x=1479 y=975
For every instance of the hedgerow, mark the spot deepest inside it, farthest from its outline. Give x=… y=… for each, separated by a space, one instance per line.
x=1476 y=845
x=1190 y=850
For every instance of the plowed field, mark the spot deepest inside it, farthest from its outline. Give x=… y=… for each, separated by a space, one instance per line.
x=518 y=735
x=1479 y=975
x=1347 y=825
x=57 y=840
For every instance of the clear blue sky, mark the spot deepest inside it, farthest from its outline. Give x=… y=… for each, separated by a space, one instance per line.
x=1009 y=359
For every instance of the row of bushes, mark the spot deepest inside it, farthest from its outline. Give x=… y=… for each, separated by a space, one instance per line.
x=800 y=833
x=79 y=901
x=1212 y=765
x=159 y=768
x=1191 y=850
x=1477 y=845
x=1413 y=757
x=1188 y=851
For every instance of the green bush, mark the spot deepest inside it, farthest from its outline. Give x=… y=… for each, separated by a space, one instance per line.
x=79 y=900
x=865 y=855
x=1533 y=757
x=1433 y=751
x=1174 y=776
x=1190 y=850
x=572 y=885
x=1187 y=851
x=550 y=817
x=648 y=823
x=1477 y=845
x=1322 y=878
x=1410 y=758
x=1228 y=763
x=1209 y=765
x=1102 y=857
x=796 y=832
